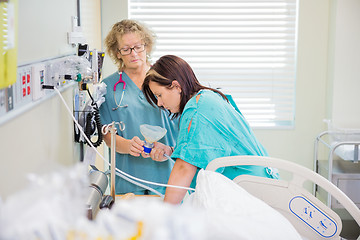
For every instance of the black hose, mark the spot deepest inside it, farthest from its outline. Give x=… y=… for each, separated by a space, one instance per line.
x=91 y=127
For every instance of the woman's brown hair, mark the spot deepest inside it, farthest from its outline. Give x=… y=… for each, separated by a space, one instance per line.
x=167 y=69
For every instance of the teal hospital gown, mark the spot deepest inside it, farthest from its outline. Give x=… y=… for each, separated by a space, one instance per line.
x=138 y=112
x=217 y=130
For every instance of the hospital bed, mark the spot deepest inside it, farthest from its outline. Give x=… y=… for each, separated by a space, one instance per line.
x=310 y=217
x=54 y=210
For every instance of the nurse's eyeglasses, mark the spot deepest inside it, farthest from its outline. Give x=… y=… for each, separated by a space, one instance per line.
x=138 y=49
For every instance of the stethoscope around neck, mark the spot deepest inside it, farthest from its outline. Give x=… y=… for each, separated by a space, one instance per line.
x=122 y=94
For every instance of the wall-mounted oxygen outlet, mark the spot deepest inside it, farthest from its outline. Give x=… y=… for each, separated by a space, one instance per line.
x=2 y=101
x=38 y=74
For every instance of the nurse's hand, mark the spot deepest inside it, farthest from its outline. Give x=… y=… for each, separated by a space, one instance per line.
x=136 y=146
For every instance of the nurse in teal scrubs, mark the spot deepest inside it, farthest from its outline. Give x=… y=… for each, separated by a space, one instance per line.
x=210 y=126
x=129 y=44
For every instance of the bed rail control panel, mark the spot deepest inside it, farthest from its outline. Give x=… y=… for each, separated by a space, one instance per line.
x=313 y=217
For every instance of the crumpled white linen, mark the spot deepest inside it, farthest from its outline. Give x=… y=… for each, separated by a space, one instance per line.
x=233 y=213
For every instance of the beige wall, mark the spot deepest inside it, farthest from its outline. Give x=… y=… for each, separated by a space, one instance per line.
x=328 y=78
x=297 y=144
x=91 y=22
x=111 y=12
x=344 y=69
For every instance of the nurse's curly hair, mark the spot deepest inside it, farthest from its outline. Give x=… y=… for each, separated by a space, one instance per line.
x=167 y=69
x=124 y=27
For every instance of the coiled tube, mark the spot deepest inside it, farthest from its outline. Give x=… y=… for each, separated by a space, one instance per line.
x=91 y=126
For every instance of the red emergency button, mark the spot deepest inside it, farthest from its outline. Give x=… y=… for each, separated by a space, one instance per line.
x=23 y=80
x=28 y=78
x=28 y=90
x=24 y=92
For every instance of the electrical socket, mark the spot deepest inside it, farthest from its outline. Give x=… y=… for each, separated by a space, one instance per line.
x=23 y=87
x=38 y=73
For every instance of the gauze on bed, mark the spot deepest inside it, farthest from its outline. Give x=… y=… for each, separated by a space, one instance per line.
x=233 y=213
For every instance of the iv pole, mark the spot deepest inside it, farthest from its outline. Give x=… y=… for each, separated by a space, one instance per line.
x=112 y=129
x=112 y=165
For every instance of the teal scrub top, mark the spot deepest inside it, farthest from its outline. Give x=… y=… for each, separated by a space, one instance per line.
x=217 y=130
x=138 y=112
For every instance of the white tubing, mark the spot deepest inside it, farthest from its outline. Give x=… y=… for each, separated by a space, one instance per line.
x=139 y=184
x=120 y=173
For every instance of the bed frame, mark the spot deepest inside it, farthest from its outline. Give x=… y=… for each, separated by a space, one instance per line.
x=310 y=217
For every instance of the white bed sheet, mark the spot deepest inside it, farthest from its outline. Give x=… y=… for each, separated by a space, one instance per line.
x=219 y=209
x=233 y=213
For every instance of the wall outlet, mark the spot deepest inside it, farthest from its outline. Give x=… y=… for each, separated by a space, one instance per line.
x=23 y=87
x=38 y=74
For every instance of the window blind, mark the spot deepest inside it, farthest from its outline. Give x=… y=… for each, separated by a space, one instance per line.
x=245 y=48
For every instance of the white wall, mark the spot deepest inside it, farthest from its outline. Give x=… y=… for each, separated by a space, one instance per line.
x=39 y=137
x=37 y=141
x=42 y=30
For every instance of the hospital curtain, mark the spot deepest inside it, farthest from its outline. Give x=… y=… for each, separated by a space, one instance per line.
x=246 y=48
